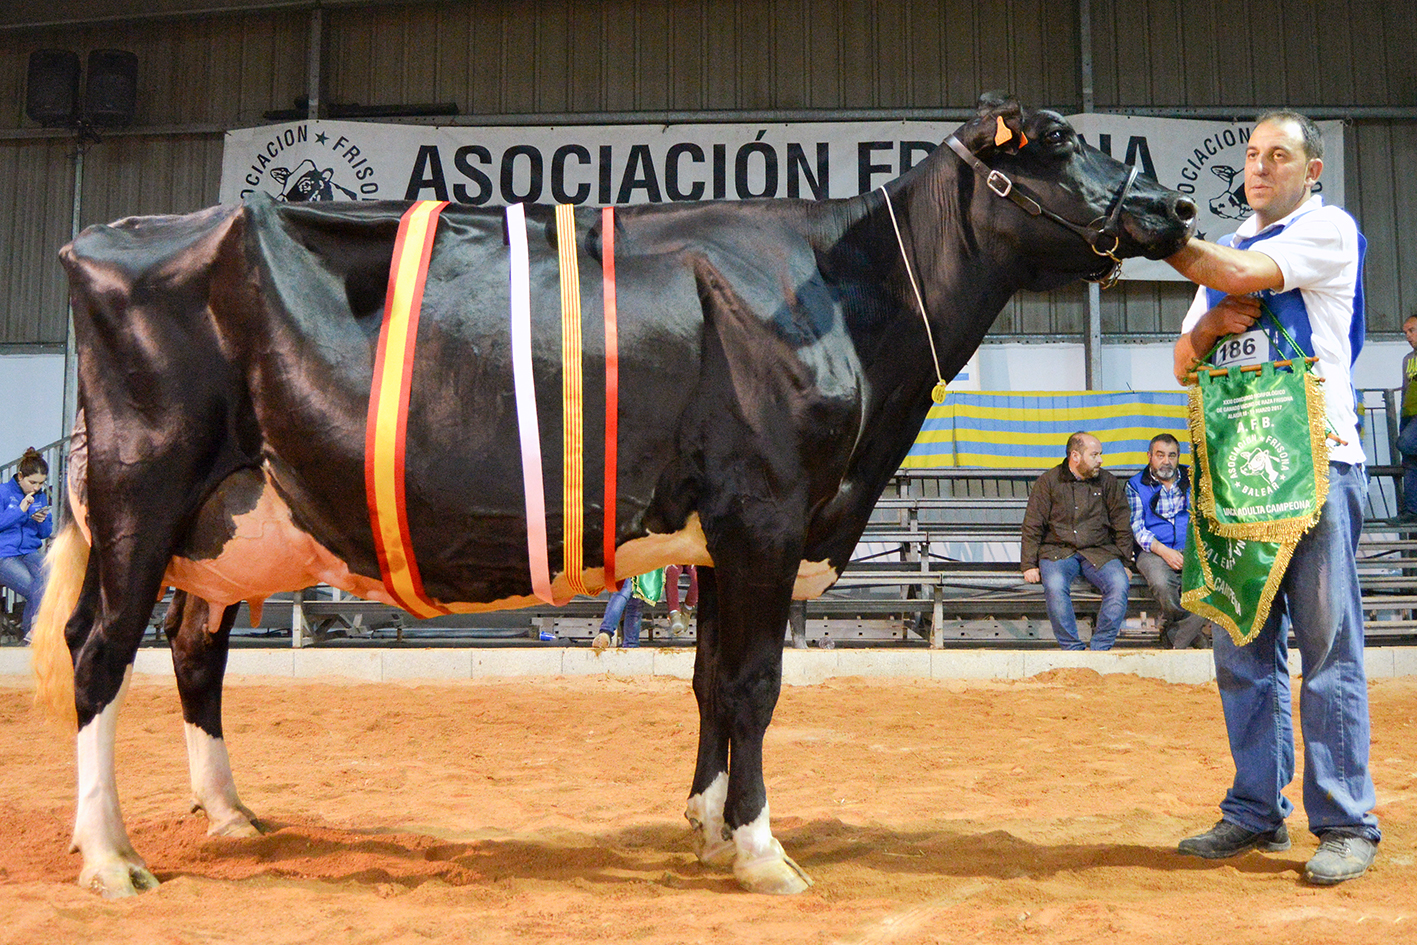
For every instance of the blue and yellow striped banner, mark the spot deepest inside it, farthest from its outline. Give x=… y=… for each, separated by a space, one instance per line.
x=1030 y=429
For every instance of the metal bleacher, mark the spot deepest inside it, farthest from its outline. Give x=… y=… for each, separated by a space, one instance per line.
x=937 y=566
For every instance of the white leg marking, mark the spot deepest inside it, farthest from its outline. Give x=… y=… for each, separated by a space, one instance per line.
x=761 y=865
x=111 y=866
x=213 y=788
x=712 y=844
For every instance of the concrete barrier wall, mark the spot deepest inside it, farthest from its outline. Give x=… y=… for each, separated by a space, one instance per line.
x=800 y=667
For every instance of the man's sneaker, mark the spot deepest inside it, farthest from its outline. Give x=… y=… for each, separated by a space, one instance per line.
x=1340 y=857
x=1226 y=839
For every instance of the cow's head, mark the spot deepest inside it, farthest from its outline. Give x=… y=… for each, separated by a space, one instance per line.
x=1065 y=209
x=1232 y=204
x=306 y=183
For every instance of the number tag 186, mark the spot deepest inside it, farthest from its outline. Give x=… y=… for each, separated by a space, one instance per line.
x=1252 y=347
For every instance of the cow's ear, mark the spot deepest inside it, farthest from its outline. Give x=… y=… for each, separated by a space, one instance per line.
x=998 y=125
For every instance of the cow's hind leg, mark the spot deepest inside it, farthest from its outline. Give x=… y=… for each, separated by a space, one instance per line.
x=712 y=842
x=111 y=866
x=745 y=680
x=199 y=652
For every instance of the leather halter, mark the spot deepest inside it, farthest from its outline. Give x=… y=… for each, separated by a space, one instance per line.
x=1004 y=186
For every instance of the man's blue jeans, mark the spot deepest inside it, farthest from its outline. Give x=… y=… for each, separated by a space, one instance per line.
x=24 y=574
x=1111 y=579
x=623 y=602
x=1320 y=600
x=1407 y=446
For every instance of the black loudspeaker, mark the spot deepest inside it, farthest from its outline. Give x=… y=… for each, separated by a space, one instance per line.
x=112 y=91
x=52 y=88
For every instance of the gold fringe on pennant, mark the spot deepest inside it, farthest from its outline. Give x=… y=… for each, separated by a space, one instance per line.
x=1195 y=601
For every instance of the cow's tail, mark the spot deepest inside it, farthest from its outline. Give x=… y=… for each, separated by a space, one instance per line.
x=67 y=560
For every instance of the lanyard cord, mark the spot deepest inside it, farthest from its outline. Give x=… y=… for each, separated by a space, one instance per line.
x=937 y=394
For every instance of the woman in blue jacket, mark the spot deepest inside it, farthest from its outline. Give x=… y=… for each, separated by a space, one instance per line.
x=24 y=523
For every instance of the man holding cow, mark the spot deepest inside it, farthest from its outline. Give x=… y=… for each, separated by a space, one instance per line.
x=1297 y=264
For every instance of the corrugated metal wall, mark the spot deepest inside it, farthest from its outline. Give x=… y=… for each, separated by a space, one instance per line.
x=201 y=74
x=648 y=55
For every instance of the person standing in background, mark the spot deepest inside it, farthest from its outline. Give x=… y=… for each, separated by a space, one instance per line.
x=1407 y=427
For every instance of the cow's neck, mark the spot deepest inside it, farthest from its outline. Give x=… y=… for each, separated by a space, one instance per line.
x=963 y=293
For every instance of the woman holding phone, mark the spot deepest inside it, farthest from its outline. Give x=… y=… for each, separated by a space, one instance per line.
x=24 y=523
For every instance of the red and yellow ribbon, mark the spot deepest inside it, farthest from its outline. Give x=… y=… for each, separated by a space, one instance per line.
x=388 y=410
x=612 y=384
x=572 y=404
x=384 y=466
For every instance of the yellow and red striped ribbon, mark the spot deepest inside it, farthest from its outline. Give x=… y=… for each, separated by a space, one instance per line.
x=387 y=424
x=384 y=457
x=612 y=384
x=572 y=404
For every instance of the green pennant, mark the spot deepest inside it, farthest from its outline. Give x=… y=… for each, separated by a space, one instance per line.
x=649 y=587
x=1232 y=581
x=1260 y=484
x=1261 y=450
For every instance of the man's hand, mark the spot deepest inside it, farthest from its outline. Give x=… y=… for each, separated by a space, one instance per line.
x=1234 y=314
x=1032 y=576
x=1173 y=558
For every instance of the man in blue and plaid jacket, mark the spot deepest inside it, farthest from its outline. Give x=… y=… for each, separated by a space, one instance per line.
x=1159 y=496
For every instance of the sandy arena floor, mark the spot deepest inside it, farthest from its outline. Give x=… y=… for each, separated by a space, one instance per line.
x=551 y=810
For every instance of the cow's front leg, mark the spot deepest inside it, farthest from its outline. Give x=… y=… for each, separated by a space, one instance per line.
x=199 y=653
x=752 y=619
x=111 y=866
x=713 y=843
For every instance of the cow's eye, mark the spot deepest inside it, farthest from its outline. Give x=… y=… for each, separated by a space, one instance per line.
x=1055 y=136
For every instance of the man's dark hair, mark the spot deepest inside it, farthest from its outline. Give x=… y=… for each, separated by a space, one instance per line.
x=1163 y=438
x=1408 y=319
x=1078 y=441
x=1313 y=138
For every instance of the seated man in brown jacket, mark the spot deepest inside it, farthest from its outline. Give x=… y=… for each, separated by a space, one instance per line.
x=1078 y=522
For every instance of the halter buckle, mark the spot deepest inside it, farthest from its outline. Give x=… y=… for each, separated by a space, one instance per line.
x=999 y=183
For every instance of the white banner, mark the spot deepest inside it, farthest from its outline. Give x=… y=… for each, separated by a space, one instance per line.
x=630 y=164
x=579 y=164
x=1203 y=159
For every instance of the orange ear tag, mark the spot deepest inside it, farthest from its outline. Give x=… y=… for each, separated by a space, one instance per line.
x=1003 y=134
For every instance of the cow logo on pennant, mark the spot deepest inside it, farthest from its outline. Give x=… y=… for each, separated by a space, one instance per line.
x=1257 y=465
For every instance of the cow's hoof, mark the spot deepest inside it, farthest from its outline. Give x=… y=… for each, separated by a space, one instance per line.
x=228 y=820
x=775 y=874
x=719 y=853
x=117 y=879
x=239 y=824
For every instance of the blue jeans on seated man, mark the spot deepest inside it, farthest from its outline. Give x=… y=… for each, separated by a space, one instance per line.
x=1320 y=600
x=623 y=602
x=24 y=574
x=1407 y=446
x=1111 y=579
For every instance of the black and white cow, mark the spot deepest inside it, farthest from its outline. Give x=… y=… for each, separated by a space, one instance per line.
x=772 y=365
x=1231 y=203
x=308 y=182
